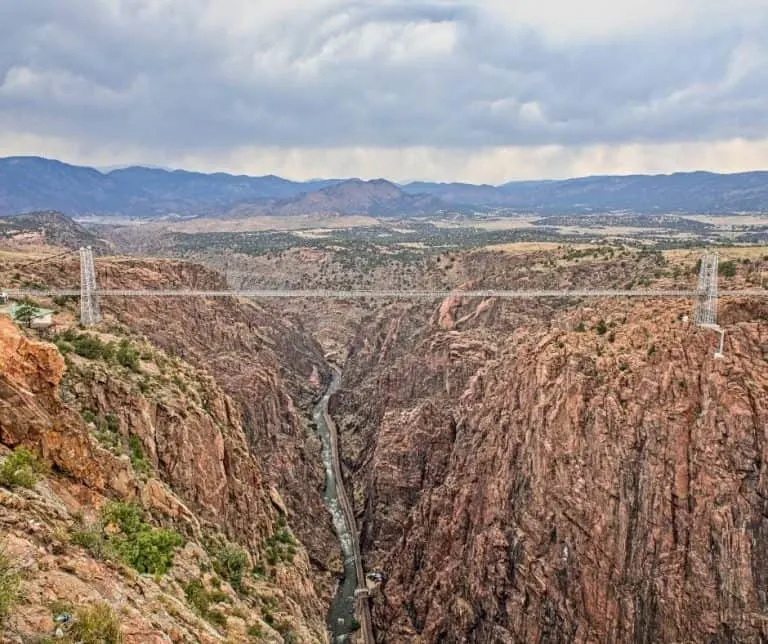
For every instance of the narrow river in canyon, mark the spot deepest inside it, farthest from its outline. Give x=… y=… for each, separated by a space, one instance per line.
x=342 y=612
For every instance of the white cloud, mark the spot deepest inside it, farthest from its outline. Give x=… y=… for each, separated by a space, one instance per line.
x=565 y=21
x=62 y=88
x=484 y=90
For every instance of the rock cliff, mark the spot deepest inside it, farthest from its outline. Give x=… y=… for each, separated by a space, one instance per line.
x=559 y=473
x=263 y=359
x=165 y=437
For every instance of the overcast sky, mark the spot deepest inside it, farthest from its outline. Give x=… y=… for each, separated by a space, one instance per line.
x=483 y=91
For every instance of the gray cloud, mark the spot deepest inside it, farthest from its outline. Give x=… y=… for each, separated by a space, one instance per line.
x=173 y=74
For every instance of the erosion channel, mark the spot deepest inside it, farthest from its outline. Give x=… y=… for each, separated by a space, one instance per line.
x=341 y=616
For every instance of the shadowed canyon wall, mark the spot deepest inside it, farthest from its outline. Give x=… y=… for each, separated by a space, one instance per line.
x=527 y=480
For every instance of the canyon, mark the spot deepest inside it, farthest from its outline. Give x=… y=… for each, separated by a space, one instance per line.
x=555 y=485
x=541 y=471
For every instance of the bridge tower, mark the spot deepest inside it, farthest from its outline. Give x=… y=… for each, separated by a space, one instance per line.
x=705 y=313
x=89 y=304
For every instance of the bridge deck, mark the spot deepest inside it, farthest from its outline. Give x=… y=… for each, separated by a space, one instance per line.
x=378 y=294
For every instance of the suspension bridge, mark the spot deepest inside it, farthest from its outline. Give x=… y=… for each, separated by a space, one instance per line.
x=706 y=295
x=706 y=298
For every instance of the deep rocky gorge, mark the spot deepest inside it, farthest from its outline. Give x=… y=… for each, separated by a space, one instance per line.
x=579 y=473
x=218 y=406
x=523 y=471
x=195 y=475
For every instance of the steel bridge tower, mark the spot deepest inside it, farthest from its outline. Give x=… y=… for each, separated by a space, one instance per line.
x=89 y=304
x=705 y=313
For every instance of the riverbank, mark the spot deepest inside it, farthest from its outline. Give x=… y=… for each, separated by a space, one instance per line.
x=344 y=609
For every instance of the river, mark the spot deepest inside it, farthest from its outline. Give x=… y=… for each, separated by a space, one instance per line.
x=341 y=616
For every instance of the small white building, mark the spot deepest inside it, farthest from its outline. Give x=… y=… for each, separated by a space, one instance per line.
x=43 y=321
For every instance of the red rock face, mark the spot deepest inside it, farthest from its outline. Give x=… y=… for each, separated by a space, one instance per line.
x=265 y=362
x=32 y=415
x=268 y=367
x=524 y=481
x=203 y=477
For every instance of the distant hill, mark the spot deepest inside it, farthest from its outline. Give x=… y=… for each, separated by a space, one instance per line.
x=693 y=192
x=56 y=229
x=32 y=183
x=378 y=198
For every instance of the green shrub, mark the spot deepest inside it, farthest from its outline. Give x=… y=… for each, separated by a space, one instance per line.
x=149 y=550
x=21 y=468
x=113 y=424
x=727 y=269
x=581 y=328
x=601 y=328
x=10 y=581
x=140 y=463
x=64 y=347
x=107 y=431
x=109 y=440
x=60 y=607
x=92 y=348
x=219 y=597
x=259 y=571
x=126 y=516
x=255 y=632
x=87 y=346
x=88 y=416
x=217 y=618
x=230 y=562
x=272 y=557
x=96 y=624
x=355 y=624
x=91 y=538
x=108 y=352
x=200 y=600
x=197 y=596
x=281 y=546
x=128 y=357
x=283 y=536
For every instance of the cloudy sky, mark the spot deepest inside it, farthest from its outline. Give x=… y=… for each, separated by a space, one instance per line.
x=482 y=91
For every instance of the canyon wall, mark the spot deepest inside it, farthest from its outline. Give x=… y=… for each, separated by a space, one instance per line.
x=215 y=406
x=561 y=474
x=261 y=358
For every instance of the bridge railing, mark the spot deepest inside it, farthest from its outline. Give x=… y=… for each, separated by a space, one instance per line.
x=383 y=294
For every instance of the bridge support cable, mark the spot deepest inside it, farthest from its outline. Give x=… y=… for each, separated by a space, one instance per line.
x=90 y=313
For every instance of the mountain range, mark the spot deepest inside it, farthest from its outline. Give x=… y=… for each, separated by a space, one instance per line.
x=34 y=183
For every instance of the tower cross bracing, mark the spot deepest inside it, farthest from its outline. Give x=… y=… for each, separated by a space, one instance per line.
x=705 y=313
x=90 y=313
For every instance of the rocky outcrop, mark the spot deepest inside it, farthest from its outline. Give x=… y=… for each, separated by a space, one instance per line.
x=203 y=481
x=261 y=358
x=32 y=415
x=519 y=479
